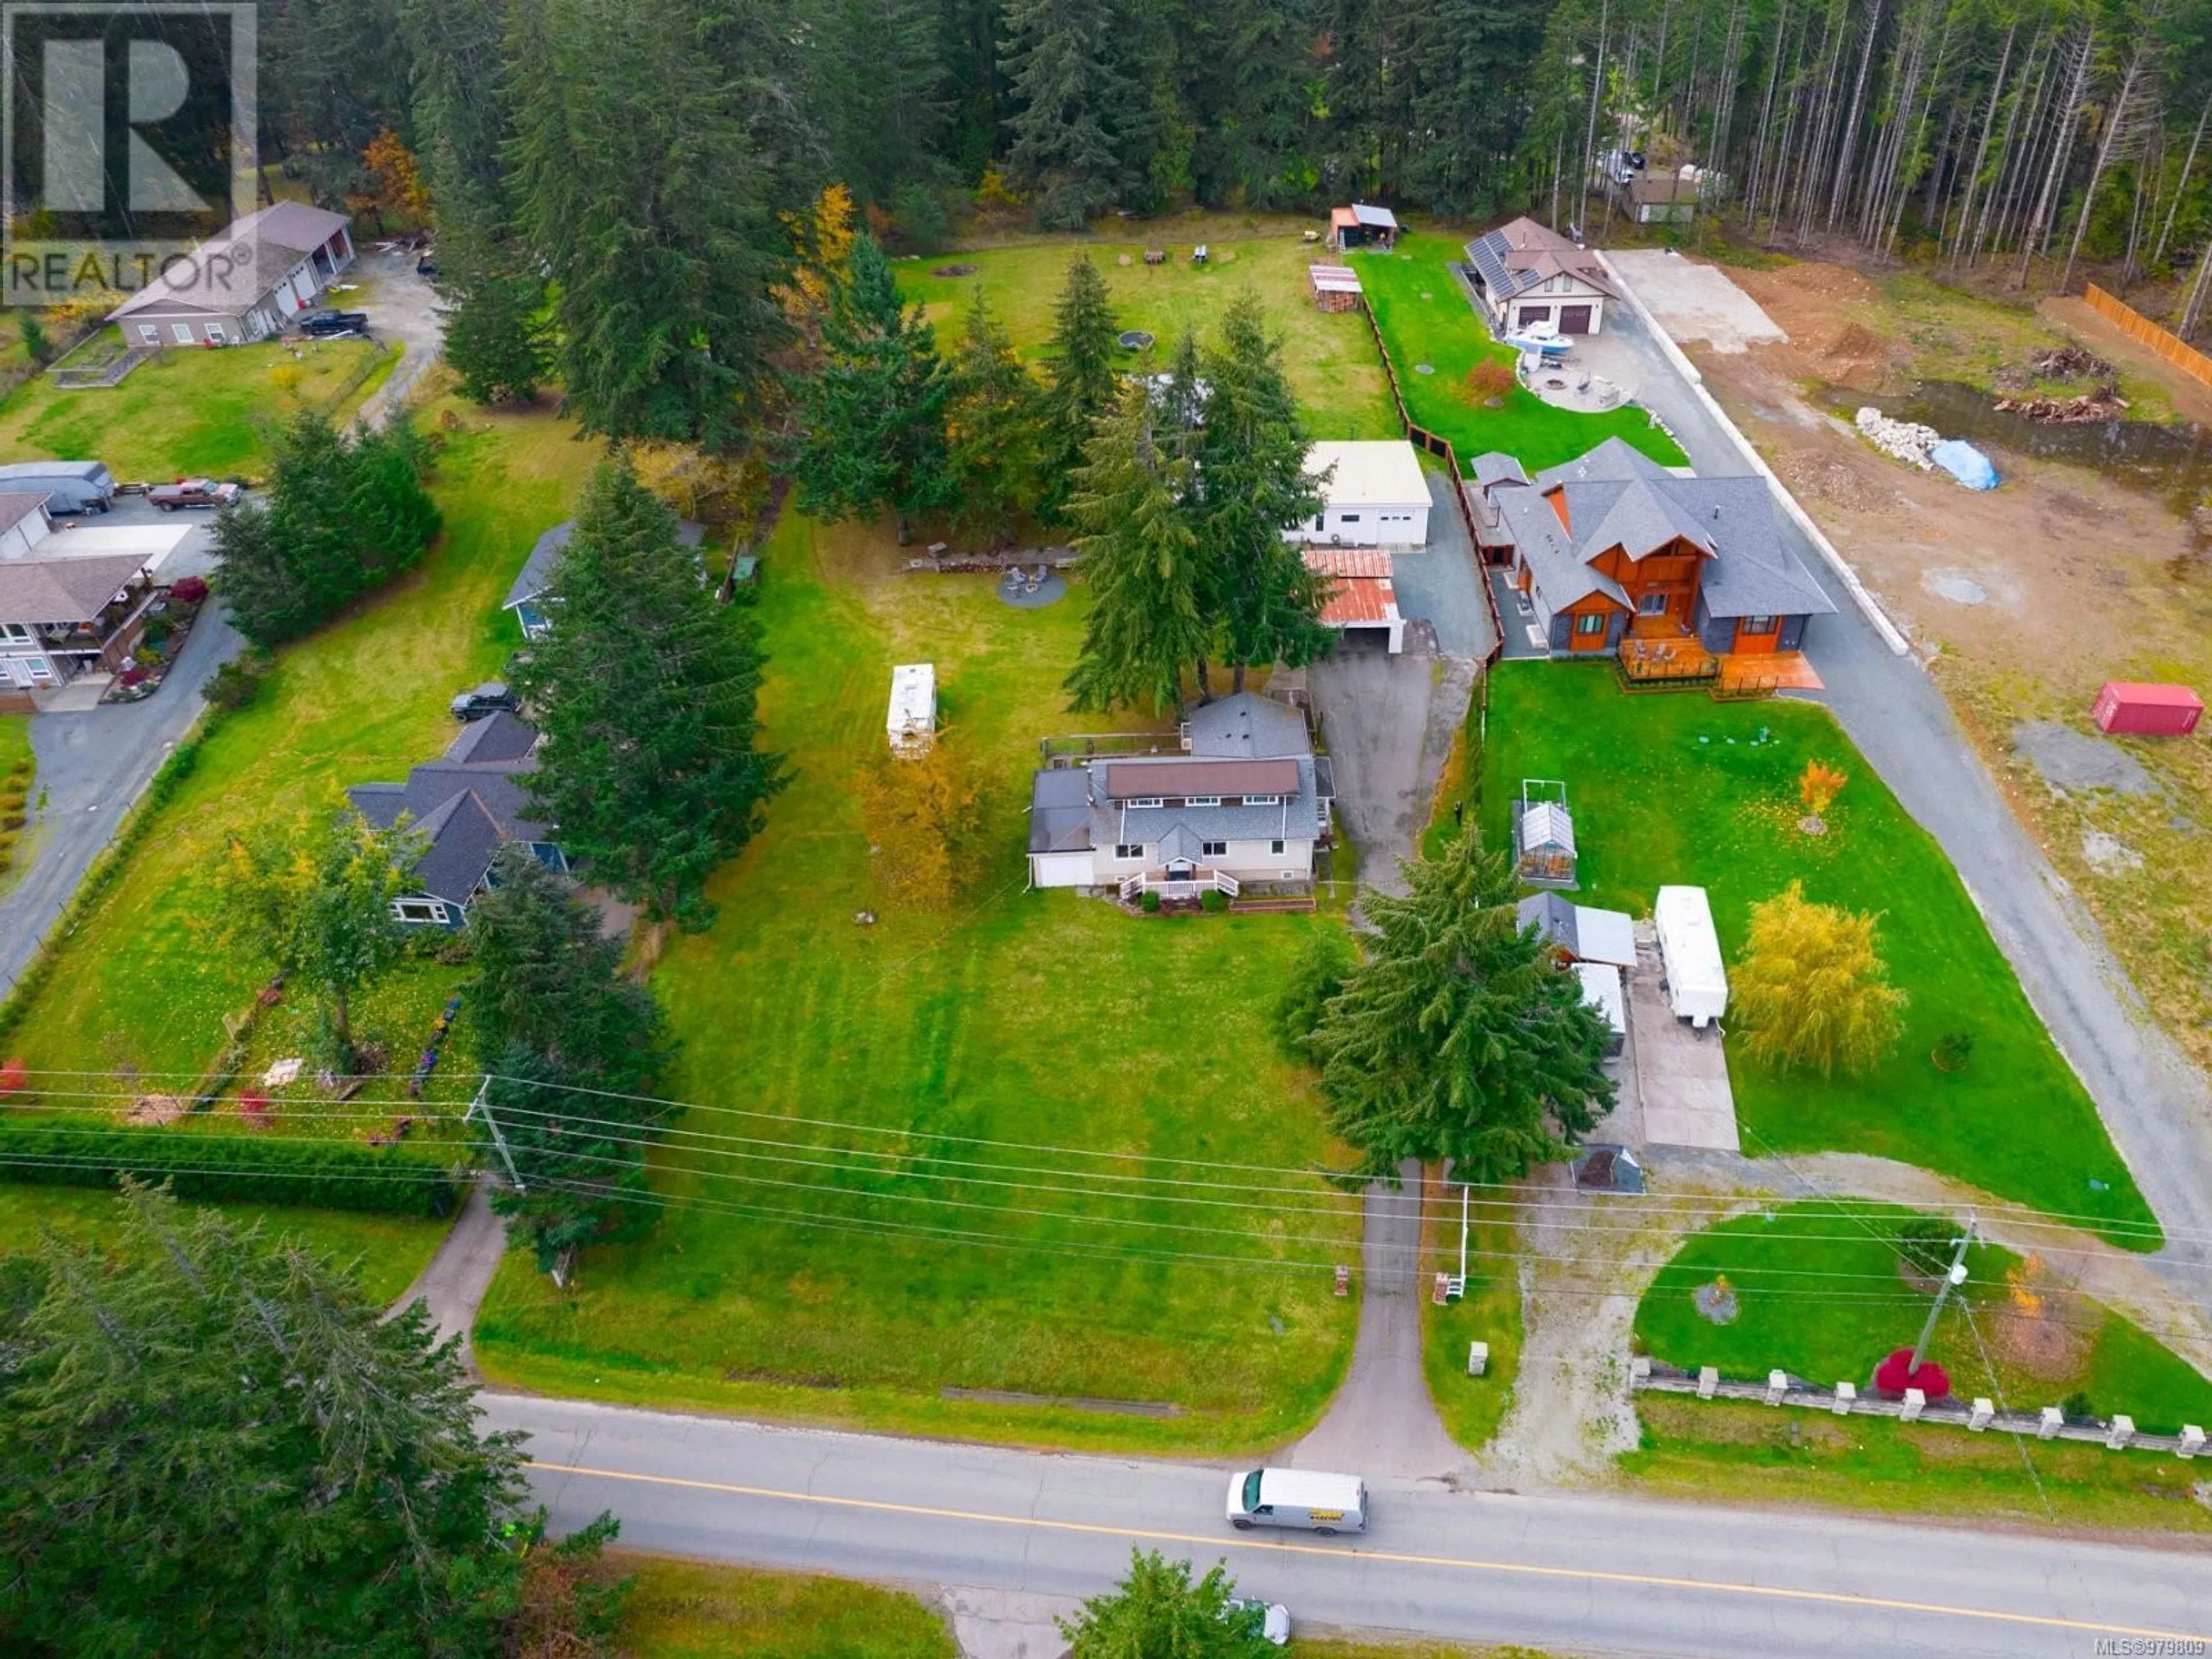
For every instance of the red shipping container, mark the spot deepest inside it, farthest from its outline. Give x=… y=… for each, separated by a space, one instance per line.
x=2150 y=711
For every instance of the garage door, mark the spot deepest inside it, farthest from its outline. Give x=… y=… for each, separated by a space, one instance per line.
x=1534 y=314
x=1574 y=319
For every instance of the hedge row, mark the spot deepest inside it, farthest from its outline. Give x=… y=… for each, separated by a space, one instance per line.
x=260 y=1169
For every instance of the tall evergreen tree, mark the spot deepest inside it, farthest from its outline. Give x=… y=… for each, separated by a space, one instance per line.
x=996 y=432
x=872 y=410
x=1141 y=562
x=211 y=1444
x=646 y=691
x=1070 y=97
x=1253 y=485
x=341 y=515
x=637 y=188
x=1456 y=1037
x=1082 y=375
x=880 y=87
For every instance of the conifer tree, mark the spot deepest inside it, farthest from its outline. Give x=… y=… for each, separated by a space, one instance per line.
x=1253 y=485
x=872 y=410
x=1083 y=377
x=1141 y=560
x=1070 y=94
x=211 y=1444
x=995 y=428
x=646 y=691
x=1456 y=1037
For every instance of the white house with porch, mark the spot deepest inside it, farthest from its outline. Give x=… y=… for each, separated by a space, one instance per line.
x=1247 y=801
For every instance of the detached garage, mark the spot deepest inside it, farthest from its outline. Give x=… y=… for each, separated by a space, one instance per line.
x=1374 y=494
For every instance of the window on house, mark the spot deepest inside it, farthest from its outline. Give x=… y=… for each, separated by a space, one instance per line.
x=1348 y=518
x=1592 y=623
x=1203 y=801
x=1129 y=849
x=1276 y=847
x=15 y=631
x=1651 y=605
x=1213 y=849
x=183 y=331
x=1263 y=800
x=1760 y=624
x=1317 y=521
x=1148 y=800
x=149 y=334
x=215 y=335
x=419 y=911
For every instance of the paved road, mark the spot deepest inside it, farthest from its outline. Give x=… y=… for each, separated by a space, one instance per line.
x=1579 y=1574
x=2155 y=1104
x=91 y=767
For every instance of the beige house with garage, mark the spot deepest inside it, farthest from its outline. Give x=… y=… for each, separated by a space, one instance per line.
x=245 y=284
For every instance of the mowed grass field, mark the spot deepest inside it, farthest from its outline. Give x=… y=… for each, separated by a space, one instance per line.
x=1330 y=358
x=700 y=1610
x=1676 y=789
x=976 y=1151
x=1818 y=1295
x=385 y=1252
x=191 y=409
x=142 y=985
x=1426 y=318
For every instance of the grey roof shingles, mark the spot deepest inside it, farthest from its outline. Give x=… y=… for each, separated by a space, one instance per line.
x=62 y=590
x=464 y=807
x=537 y=572
x=1542 y=540
x=1248 y=727
x=1495 y=466
x=1059 y=810
x=1553 y=916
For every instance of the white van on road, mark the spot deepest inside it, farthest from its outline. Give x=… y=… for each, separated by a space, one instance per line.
x=1326 y=1503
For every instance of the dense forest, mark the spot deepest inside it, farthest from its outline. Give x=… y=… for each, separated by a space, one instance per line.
x=2025 y=139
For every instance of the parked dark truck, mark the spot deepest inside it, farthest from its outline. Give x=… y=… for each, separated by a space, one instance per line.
x=324 y=324
x=193 y=492
x=68 y=486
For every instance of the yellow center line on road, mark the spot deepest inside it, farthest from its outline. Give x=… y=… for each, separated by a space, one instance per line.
x=1586 y=1575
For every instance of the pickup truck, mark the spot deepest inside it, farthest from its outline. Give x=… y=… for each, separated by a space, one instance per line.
x=327 y=324
x=193 y=492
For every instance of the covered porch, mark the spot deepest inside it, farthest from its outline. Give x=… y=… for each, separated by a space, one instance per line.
x=1178 y=880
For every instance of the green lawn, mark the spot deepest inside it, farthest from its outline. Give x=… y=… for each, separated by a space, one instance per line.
x=1330 y=357
x=1472 y=1406
x=1426 y=318
x=1820 y=1296
x=1703 y=1451
x=1038 y=1018
x=187 y=411
x=1672 y=787
x=385 y=1252
x=698 y=1610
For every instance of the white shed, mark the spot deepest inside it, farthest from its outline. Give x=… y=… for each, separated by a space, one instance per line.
x=1373 y=493
x=1602 y=991
x=911 y=723
x=1689 y=950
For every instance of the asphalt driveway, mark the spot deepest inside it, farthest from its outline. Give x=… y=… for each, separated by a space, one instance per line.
x=2155 y=1104
x=91 y=766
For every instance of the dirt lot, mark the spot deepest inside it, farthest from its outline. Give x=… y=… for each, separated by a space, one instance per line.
x=2025 y=599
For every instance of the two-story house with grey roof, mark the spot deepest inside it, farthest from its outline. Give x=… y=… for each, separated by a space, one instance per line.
x=1613 y=550
x=1528 y=276
x=1245 y=801
x=463 y=807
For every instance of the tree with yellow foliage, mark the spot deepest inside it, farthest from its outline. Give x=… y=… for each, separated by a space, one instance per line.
x=823 y=237
x=392 y=185
x=922 y=812
x=1818 y=786
x=1811 y=992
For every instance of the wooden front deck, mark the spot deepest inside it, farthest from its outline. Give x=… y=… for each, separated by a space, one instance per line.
x=1679 y=663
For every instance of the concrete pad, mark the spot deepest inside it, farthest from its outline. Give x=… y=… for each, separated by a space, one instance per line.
x=996 y=1624
x=1681 y=1075
x=1693 y=302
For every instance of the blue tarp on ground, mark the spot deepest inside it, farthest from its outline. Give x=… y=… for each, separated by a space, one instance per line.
x=1965 y=463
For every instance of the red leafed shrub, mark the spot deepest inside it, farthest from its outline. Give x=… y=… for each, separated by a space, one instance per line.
x=1490 y=378
x=189 y=590
x=134 y=676
x=15 y=1076
x=253 y=1107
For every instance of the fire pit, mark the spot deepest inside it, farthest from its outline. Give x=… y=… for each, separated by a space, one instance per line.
x=953 y=270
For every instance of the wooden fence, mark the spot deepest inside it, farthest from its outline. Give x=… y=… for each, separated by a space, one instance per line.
x=1420 y=438
x=2137 y=327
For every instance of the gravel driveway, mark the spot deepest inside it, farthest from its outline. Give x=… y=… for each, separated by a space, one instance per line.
x=402 y=311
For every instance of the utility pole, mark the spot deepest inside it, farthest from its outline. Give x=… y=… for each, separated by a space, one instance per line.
x=1952 y=1280
x=481 y=1105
